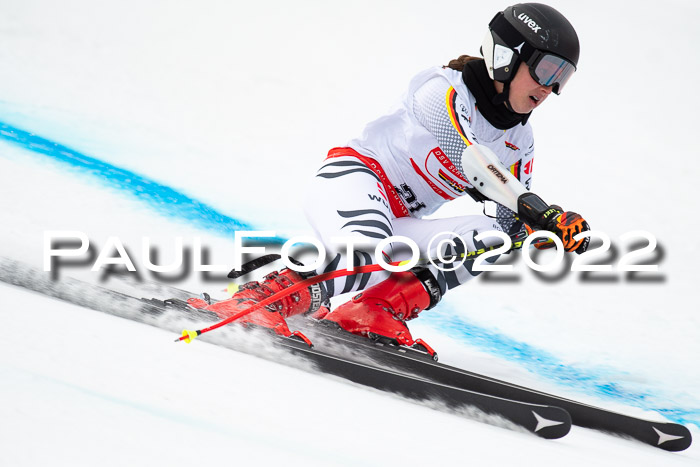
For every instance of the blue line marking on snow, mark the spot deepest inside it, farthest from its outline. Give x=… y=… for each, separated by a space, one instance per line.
x=587 y=380
x=171 y=203
x=163 y=199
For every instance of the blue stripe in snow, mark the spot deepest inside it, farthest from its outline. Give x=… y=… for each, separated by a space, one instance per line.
x=162 y=199
x=171 y=203
x=589 y=380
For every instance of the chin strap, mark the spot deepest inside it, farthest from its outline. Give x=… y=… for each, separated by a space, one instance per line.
x=502 y=98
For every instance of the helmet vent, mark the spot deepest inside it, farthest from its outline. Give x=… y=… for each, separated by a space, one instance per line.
x=502 y=56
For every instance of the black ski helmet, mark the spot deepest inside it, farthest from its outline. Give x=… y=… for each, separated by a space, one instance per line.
x=537 y=35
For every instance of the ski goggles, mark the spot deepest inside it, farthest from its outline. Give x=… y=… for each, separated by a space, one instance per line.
x=550 y=70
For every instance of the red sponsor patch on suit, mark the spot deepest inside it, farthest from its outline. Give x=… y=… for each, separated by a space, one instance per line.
x=442 y=175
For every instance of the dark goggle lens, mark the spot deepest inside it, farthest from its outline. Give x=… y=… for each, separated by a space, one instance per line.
x=550 y=70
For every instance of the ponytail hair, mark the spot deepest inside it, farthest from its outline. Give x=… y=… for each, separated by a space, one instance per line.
x=458 y=63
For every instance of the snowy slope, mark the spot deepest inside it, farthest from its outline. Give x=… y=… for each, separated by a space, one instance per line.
x=233 y=104
x=95 y=389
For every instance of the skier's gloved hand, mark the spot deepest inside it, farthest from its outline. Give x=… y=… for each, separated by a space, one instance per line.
x=564 y=224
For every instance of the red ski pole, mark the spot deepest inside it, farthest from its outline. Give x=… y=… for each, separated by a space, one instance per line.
x=189 y=335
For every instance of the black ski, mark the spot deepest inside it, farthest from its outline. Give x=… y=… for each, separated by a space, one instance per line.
x=667 y=436
x=415 y=369
x=544 y=421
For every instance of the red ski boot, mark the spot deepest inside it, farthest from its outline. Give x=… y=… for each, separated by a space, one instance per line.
x=381 y=311
x=272 y=316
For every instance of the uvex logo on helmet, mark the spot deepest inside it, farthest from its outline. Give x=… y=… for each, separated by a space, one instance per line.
x=529 y=22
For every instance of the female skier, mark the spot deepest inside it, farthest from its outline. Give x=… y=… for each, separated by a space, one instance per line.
x=461 y=129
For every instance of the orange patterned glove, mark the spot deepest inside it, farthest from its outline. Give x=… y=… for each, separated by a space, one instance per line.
x=564 y=224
